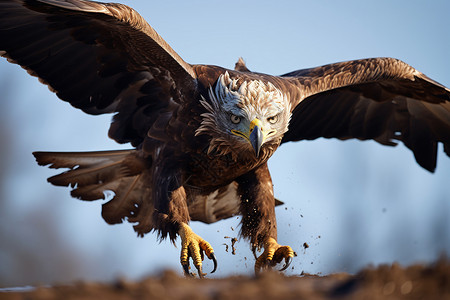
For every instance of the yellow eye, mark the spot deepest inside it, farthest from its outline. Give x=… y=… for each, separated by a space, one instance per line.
x=273 y=119
x=235 y=119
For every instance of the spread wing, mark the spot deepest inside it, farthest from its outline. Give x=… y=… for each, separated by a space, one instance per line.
x=101 y=58
x=381 y=98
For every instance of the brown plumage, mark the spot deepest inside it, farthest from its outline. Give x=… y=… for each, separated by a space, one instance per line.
x=202 y=134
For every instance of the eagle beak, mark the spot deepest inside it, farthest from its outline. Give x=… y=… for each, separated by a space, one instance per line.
x=255 y=135
x=256 y=139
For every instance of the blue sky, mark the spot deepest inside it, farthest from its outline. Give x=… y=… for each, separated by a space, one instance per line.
x=355 y=203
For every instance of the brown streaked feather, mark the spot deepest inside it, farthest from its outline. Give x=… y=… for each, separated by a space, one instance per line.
x=88 y=168
x=93 y=55
x=91 y=174
x=220 y=204
x=156 y=45
x=132 y=193
x=56 y=160
x=382 y=99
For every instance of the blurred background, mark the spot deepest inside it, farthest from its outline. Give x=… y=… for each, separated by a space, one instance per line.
x=354 y=203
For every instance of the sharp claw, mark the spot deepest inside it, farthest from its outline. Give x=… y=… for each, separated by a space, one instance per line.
x=186 y=270
x=213 y=257
x=288 y=261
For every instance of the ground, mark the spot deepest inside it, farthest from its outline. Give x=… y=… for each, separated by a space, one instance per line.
x=382 y=282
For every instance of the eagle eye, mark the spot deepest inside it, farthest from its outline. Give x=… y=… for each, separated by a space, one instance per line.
x=235 y=119
x=273 y=119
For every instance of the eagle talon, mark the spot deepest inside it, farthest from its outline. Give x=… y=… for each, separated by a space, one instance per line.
x=272 y=255
x=193 y=246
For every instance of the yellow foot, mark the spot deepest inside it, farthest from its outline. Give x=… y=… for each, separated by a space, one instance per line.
x=273 y=254
x=194 y=246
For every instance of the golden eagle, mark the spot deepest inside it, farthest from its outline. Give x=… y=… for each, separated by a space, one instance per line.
x=202 y=134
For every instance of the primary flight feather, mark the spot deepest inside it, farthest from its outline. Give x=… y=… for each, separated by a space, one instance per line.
x=202 y=134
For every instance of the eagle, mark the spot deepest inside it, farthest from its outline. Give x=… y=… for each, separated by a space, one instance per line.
x=202 y=134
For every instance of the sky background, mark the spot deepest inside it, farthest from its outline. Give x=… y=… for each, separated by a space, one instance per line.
x=354 y=203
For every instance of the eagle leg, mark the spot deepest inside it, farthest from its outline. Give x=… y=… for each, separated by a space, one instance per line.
x=273 y=254
x=194 y=246
x=258 y=218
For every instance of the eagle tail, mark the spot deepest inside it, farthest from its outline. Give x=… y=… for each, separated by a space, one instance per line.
x=92 y=174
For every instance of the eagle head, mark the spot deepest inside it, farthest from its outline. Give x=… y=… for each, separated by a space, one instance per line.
x=244 y=117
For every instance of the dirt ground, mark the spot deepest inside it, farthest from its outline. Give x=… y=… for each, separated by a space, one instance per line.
x=383 y=282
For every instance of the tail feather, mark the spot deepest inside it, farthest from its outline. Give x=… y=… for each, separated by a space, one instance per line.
x=94 y=191
x=57 y=160
x=114 y=211
x=86 y=168
x=83 y=176
x=91 y=174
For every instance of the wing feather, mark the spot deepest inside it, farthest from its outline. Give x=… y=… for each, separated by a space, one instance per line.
x=96 y=56
x=383 y=99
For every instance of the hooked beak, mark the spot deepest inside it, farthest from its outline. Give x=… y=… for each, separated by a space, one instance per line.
x=256 y=139
x=255 y=135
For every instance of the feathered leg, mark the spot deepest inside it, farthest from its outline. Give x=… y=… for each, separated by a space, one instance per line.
x=258 y=218
x=172 y=215
x=176 y=222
